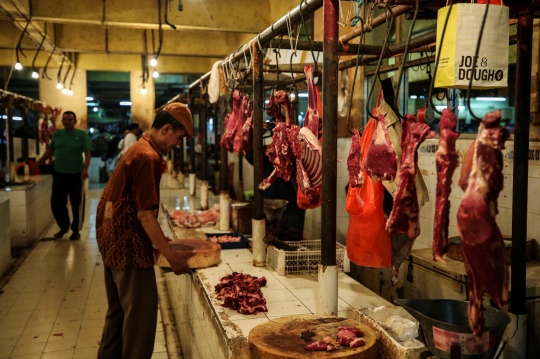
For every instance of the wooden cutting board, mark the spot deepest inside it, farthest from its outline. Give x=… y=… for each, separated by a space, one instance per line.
x=206 y=253
x=281 y=338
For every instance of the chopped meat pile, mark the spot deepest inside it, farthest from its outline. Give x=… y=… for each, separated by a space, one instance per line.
x=242 y=292
x=348 y=337
x=224 y=239
x=482 y=244
x=194 y=220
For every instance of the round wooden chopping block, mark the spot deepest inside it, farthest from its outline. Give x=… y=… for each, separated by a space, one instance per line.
x=281 y=338
x=206 y=253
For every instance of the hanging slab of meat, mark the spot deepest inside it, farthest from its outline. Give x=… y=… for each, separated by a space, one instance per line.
x=356 y=175
x=240 y=121
x=405 y=212
x=466 y=166
x=312 y=119
x=381 y=160
x=481 y=240
x=280 y=151
x=247 y=130
x=231 y=121
x=446 y=160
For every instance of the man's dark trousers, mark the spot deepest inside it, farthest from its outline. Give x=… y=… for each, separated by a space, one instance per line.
x=65 y=185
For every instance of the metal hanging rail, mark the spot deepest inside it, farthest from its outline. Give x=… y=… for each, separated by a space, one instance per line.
x=277 y=28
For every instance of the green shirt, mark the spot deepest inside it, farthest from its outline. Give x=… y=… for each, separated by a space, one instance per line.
x=68 y=149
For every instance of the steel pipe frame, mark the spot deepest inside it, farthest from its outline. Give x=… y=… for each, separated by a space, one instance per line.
x=258 y=118
x=330 y=78
x=203 y=129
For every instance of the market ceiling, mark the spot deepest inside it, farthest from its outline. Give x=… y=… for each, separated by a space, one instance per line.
x=113 y=35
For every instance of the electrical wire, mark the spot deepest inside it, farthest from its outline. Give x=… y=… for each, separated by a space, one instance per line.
x=39 y=48
x=72 y=76
x=44 y=73
x=66 y=75
x=160 y=31
x=18 y=47
x=59 y=74
x=167 y=16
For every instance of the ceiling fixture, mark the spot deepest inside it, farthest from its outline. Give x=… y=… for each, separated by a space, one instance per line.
x=59 y=86
x=143 y=91
x=125 y=103
x=64 y=91
x=155 y=74
x=18 y=66
x=95 y=109
x=35 y=75
x=153 y=62
x=70 y=92
x=89 y=98
x=496 y=99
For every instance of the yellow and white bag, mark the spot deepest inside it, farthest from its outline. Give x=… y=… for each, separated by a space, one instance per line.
x=459 y=47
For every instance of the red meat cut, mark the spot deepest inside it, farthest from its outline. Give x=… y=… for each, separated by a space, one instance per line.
x=381 y=160
x=345 y=337
x=356 y=175
x=358 y=342
x=446 y=160
x=231 y=123
x=356 y=331
x=317 y=346
x=247 y=130
x=405 y=212
x=240 y=121
x=481 y=239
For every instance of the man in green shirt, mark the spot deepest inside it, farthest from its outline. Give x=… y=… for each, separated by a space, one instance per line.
x=67 y=146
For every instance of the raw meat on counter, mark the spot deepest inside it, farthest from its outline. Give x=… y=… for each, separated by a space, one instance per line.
x=224 y=239
x=195 y=220
x=381 y=160
x=242 y=292
x=405 y=212
x=481 y=239
x=446 y=160
x=356 y=175
x=348 y=337
x=319 y=346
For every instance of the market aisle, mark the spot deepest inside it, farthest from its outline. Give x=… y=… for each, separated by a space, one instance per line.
x=54 y=306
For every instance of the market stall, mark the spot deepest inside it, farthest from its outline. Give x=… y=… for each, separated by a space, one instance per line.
x=384 y=156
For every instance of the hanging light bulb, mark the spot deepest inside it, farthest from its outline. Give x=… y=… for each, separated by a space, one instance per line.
x=143 y=91
x=18 y=66
x=70 y=92
x=153 y=62
x=64 y=91
x=34 y=75
x=155 y=74
x=59 y=86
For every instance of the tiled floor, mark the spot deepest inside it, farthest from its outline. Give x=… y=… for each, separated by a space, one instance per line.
x=54 y=305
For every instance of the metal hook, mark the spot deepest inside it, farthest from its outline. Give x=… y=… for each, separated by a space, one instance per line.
x=383 y=51
x=405 y=53
x=354 y=77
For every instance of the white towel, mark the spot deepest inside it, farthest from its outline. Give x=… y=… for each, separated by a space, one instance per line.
x=213 y=83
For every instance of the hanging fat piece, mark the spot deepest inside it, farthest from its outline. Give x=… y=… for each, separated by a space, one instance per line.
x=446 y=160
x=279 y=151
x=238 y=135
x=381 y=160
x=406 y=211
x=482 y=244
x=356 y=175
x=231 y=122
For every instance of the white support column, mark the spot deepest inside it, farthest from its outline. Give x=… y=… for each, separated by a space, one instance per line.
x=192 y=189
x=224 y=211
x=327 y=303
x=204 y=195
x=259 y=247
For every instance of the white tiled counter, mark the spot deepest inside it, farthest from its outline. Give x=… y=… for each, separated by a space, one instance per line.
x=209 y=331
x=30 y=210
x=5 y=235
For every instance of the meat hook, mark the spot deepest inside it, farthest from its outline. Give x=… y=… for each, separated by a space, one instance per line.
x=430 y=98
x=402 y=67
x=355 y=73
x=383 y=51
x=468 y=102
x=316 y=69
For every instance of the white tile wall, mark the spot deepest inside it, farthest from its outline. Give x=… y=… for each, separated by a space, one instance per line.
x=5 y=235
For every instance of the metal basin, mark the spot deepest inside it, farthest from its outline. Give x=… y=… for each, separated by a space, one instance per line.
x=274 y=208
x=445 y=325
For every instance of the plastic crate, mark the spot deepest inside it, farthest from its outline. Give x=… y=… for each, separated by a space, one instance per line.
x=302 y=261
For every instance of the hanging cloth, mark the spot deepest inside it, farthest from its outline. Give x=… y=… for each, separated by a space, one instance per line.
x=213 y=83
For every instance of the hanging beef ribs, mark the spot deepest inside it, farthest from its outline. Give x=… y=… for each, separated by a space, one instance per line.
x=308 y=151
x=239 y=134
x=247 y=130
x=356 y=175
x=231 y=122
x=405 y=213
x=446 y=160
x=381 y=160
x=481 y=240
x=279 y=151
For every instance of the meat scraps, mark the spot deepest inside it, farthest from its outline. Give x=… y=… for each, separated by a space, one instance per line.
x=405 y=212
x=381 y=160
x=224 y=239
x=482 y=244
x=446 y=160
x=347 y=336
x=231 y=123
x=318 y=346
x=356 y=175
x=195 y=220
x=240 y=121
x=242 y=292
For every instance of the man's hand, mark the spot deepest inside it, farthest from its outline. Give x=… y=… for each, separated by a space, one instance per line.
x=178 y=262
x=84 y=174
